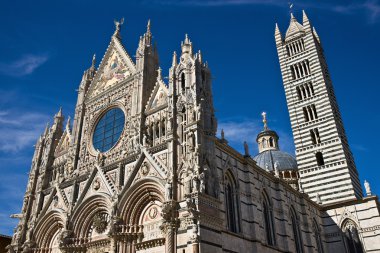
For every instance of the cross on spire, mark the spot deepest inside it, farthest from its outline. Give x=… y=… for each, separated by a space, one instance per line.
x=264 y=114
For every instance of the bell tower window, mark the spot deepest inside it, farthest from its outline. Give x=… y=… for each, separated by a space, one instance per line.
x=183 y=82
x=320 y=160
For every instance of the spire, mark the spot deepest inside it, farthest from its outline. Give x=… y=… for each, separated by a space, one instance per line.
x=187 y=47
x=118 y=25
x=295 y=29
x=277 y=35
x=200 y=56
x=59 y=113
x=174 y=60
x=305 y=21
x=148 y=34
x=93 y=61
x=148 y=27
x=264 y=114
x=68 y=124
x=316 y=35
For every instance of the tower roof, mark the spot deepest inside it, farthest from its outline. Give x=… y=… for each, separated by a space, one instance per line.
x=294 y=29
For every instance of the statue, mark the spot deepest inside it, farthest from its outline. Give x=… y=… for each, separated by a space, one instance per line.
x=367 y=188
x=99 y=157
x=267 y=167
x=168 y=190
x=300 y=186
x=144 y=140
x=246 y=149
x=195 y=184
x=318 y=199
x=202 y=183
x=276 y=171
x=118 y=24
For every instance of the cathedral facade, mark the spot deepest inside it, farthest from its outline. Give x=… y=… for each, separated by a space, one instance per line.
x=141 y=169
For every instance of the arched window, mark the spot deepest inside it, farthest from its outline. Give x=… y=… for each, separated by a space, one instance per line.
x=296 y=232
x=264 y=143
x=183 y=82
x=268 y=222
x=231 y=204
x=163 y=127
x=317 y=236
x=157 y=130
x=271 y=143
x=320 y=160
x=351 y=237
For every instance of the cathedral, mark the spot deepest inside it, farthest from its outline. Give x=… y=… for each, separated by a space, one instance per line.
x=141 y=170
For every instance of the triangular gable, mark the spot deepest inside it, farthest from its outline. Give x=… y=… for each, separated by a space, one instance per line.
x=56 y=200
x=115 y=67
x=63 y=144
x=97 y=183
x=159 y=96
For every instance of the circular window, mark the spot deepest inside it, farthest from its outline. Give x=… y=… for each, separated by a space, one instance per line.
x=108 y=130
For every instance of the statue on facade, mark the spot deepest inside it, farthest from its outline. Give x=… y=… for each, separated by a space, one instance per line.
x=202 y=182
x=168 y=190
x=276 y=171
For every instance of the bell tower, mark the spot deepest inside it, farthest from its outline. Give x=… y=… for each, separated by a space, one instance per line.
x=325 y=162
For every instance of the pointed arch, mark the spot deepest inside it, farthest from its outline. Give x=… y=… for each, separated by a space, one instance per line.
x=231 y=202
x=48 y=228
x=297 y=236
x=351 y=236
x=269 y=227
x=137 y=197
x=83 y=215
x=317 y=235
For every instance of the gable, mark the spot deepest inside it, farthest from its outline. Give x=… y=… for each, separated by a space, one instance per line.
x=63 y=144
x=115 y=67
x=159 y=97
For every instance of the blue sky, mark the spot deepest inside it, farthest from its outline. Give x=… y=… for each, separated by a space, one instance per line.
x=46 y=45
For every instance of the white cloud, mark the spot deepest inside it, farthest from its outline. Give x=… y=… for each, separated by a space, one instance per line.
x=238 y=131
x=24 y=66
x=19 y=130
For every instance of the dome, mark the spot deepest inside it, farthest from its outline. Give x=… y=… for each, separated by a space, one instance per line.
x=270 y=157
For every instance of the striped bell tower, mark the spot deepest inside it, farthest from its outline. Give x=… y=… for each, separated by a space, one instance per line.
x=326 y=166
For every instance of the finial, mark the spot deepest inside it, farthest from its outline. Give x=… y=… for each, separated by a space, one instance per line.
x=200 y=56
x=246 y=149
x=148 y=26
x=59 y=113
x=68 y=124
x=187 y=40
x=264 y=114
x=174 y=61
x=118 y=25
x=222 y=134
x=93 y=61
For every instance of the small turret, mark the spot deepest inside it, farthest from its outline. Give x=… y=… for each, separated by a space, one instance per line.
x=187 y=46
x=267 y=139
